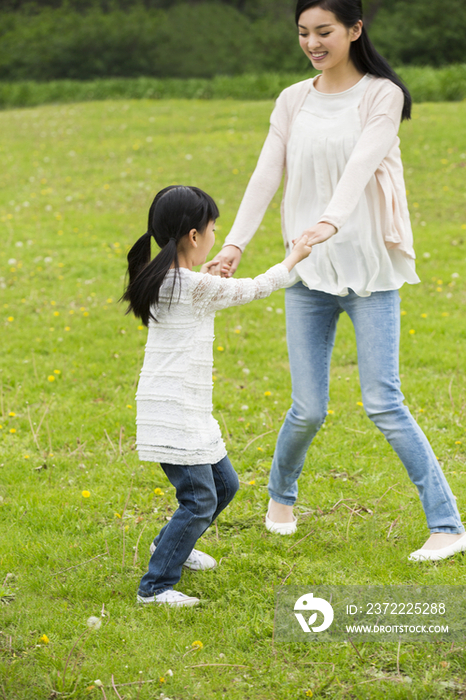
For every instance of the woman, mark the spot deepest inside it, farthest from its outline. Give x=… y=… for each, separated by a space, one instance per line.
x=335 y=136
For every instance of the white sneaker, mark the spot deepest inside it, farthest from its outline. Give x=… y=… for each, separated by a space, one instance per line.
x=197 y=561
x=169 y=597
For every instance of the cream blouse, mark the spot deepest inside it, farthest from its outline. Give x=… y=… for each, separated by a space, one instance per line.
x=342 y=162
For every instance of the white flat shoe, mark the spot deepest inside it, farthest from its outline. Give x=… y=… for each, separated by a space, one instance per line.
x=281 y=528
x=438 y=554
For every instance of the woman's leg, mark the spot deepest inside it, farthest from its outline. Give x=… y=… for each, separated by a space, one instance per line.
x=311 y=319
x=197 y=498
x=376 y=322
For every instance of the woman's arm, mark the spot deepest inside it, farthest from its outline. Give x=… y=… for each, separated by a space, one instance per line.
x=377 y=139
x=262 y=186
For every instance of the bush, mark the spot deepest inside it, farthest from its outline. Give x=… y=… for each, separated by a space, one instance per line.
x=426 y=85
x=199 y=40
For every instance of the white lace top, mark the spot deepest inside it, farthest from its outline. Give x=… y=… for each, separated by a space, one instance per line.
x=175 y=424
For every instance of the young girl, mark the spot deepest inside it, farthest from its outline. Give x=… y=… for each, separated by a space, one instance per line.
x=336 y=138
x=175 y=425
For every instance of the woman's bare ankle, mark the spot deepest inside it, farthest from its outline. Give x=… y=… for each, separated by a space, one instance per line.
x=280 y=513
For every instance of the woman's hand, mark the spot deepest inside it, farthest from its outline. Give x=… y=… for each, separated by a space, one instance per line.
x=320 y=233
x=228 y=259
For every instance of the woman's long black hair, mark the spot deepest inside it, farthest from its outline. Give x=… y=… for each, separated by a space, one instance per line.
x=174 y=212
x=362 y=51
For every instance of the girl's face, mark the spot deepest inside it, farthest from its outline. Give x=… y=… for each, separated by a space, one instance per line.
x=205 y=242
x=325 y=40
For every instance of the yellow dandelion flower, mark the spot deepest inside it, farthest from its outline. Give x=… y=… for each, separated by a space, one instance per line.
x=360 y=403
x=106 y=187
x=161 y=679
x=412 y=331
x=458 y=442
x=85 y=494
x=128 y=405
x=56 y=313
x=12 y=414
x=423 y=315
x=57 y=371
x=12 y=430
x=330 y=412
x=261 y=449
x=67 y=328
x=403 y=312
x=214 y=378
x=252 y=482
x=44 y=639
x=197 y=645
x=158 y=492
x=51 y=378
x=26 y=456
x=440 y=282
x=86 y=313
x=309 y=693
x=117 y=515
x=10 y=319
x=445 y=313
x=220 y=348
x=267 y=393
x=140 y=328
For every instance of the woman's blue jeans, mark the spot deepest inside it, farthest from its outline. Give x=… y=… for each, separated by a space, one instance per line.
x=203 y=491
x=311 y=320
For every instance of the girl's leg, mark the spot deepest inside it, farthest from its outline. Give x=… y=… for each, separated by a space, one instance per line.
x=311 y=319
x=197 y=498
x=226 y=484
x=376 y=322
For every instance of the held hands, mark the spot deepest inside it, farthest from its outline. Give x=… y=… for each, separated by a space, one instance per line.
x=228 y=259
x=302 y=248
x=320 y=232
x=212 y=268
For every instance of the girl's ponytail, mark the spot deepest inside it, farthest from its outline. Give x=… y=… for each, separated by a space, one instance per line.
x=175 y=211
x=362 y=52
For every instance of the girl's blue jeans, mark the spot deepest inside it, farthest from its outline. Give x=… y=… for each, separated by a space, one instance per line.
x=311 y=320
x=203 y=491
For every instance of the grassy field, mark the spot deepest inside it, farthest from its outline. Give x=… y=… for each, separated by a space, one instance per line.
x=78 y=510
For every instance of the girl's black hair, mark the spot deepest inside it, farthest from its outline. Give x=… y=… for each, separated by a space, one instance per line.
x=173 y=213
x=362 y=51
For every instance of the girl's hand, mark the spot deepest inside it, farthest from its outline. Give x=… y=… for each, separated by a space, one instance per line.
x=212 y=268
x=228 y=258
x=302 y=248
x=320 y=232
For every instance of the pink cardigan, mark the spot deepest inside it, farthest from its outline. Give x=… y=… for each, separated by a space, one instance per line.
x=376 y=153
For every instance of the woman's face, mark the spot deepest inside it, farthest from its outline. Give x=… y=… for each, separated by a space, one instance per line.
x=325 y=40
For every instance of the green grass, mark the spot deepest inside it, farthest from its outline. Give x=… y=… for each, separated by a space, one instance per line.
x=426 y=84
x=76 y=184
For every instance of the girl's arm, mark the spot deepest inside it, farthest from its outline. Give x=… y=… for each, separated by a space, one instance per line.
x=377 y=139
x=212 y=293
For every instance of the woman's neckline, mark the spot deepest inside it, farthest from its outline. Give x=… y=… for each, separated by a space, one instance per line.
x=334 y=94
